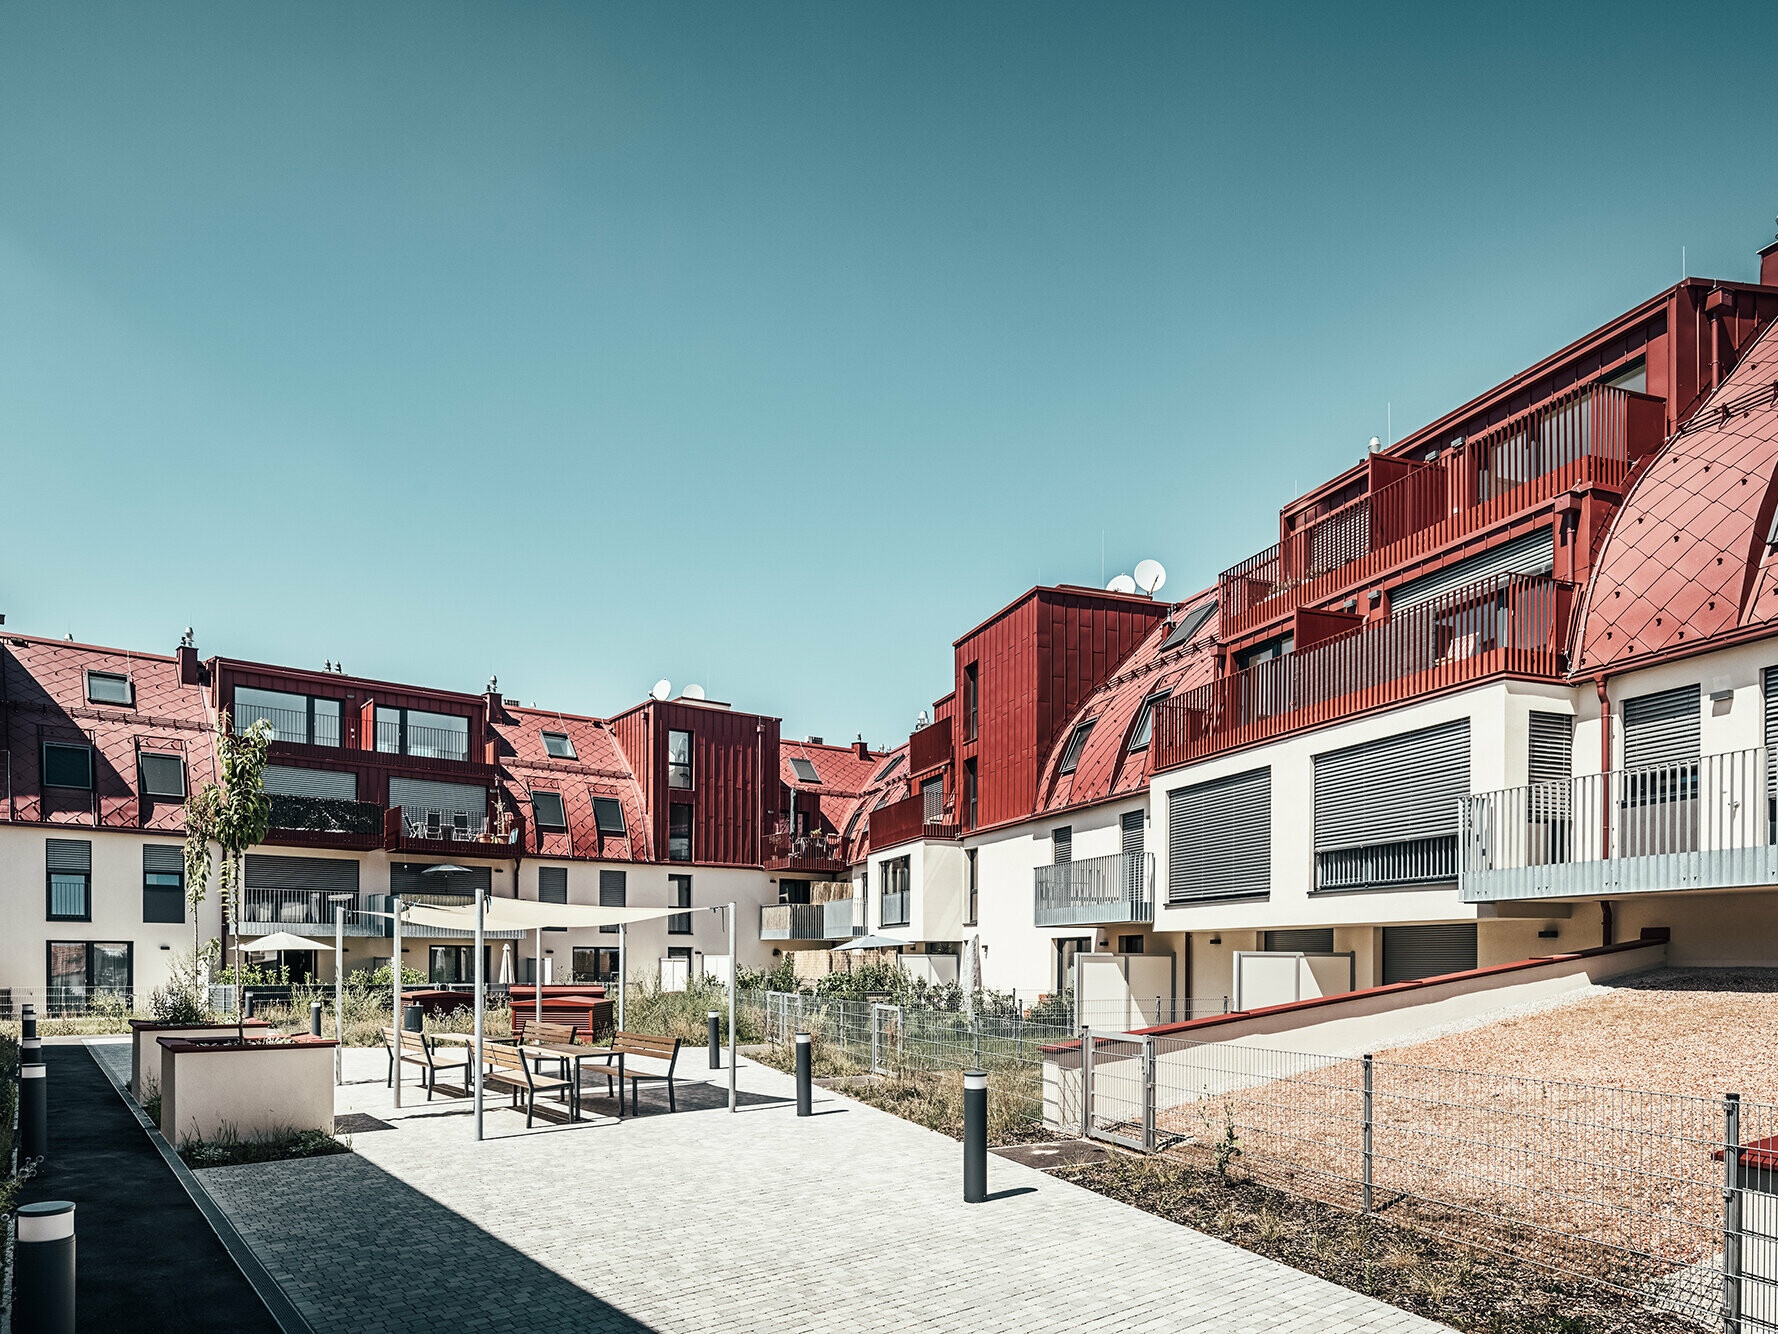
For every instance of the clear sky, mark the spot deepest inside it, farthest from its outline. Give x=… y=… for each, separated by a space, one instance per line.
x=773 y=346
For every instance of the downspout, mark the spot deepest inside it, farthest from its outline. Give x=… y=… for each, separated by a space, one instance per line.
x=1605 y=923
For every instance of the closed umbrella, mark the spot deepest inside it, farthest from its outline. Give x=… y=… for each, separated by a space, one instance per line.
x=506 y=964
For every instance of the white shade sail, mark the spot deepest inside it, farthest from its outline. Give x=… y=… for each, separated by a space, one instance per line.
x=283 y=940
x=528 y=915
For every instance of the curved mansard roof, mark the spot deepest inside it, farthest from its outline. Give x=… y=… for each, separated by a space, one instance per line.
x=598 y=769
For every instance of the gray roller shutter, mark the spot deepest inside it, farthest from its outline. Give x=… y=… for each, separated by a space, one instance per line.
x=1396 y=790
x=552 y=887
x=329 y=875
x=1533 y=553
x=284 y=780
x=68 y=854
x=1552 y=748
x=1770 y=683
x=1661 y=728
x=426 y=795
x=614 y=892
x=409 y=878
x=1309 y=940
x=1219 y=838
x=1413 y=952
x=1062 y=845
x=1133 y=830
x=164 y=857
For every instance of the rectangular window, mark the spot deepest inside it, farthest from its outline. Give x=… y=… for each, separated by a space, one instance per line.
x=1076 y=744
x=1252 y=657
x=1129 y=944
x=679 y=759
x=969 y=786
x=552 y=887
x=558 y=746
x=547 y=812
x=163 y=882
x=67 y=766
x=80 y=971
x=969 y=702
x=1219 y=838
x=451 y=963
x=162 y=775
x=805 y=771
x=971 y=902
x=792 y=891
x=1061 y=845
x=897 y=891
x=1143 y=731
x=679 y=832
x=109 y=688
x=68 y=867
x=608 y=815
x=303 y=719
x=614 y=892
x=679 y=924
x=1386 y=810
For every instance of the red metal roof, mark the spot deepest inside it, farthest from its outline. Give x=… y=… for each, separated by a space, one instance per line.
x=598 y=769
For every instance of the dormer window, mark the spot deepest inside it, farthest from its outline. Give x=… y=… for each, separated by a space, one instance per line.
x=1189 y=624
x=1143 y=731
x=558 y=746
x=1076 y=744
x=163 y=776
x=109 y=688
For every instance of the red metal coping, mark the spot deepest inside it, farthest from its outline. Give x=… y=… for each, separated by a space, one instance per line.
x=1652 y=936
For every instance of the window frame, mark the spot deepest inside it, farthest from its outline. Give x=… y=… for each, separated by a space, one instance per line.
x=178 y=888
x=971 y=890
x=599 y=826
x=87 y=946
x=688 y=765
x=311 y=734
x=673 y=808
x=972 y=690
x=1142 y=730
x=129 y=688
x=679 y=924
x=566 y=741
x=1077 y=743
x=403 y=743
x=142 y=787
x=49 y=897
x=43 y=765
x=800 y=762
x=537 y=819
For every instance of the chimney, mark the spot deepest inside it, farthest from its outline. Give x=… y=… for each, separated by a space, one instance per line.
x=187 y=657
x=859 y=749
x=1768 y=266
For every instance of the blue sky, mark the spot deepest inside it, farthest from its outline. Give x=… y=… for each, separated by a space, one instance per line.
x=773 y=346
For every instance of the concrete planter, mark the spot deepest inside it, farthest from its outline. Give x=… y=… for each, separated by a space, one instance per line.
x=253 y=1089
x=145 y=1057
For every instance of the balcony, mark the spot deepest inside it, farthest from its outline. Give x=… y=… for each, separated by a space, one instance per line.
x=444 y=833
x=1509 y=625
x=818 y=854
x=1710 y=823
x=1593 y=434
x=930 y=747
x=325 y=823
x=1116 y=888
x=906 y=820
x=264 y=911
x=835 y=920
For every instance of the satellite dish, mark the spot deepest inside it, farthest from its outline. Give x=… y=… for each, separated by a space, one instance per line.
x=694 y=692
x=1150 y=575
x=1122 y=584
x=662 y=688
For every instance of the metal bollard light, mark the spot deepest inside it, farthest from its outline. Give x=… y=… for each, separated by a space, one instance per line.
x=314 y=1019
x=247 y=1006
x=803 y=1076
x=33 y=1110
x=43 y=1281
x=714 y=1022
x=30 y=1045
x=975 y=1136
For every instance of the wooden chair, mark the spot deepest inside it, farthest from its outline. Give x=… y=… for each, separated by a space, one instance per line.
x=417 y=1049
x=652 y=1048
x=510 y=1070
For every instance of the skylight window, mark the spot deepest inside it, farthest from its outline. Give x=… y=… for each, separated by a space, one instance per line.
x=805 y=771
x=1076 y=744
x=162 y=775
x=1143 y=731
x=1189 y=625
x=109 y=688
x=547 y=810
x=559 y=746
x=608 y=814
x=889 y=768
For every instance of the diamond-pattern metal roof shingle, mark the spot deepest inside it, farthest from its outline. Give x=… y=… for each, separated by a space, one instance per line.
x=598 y=769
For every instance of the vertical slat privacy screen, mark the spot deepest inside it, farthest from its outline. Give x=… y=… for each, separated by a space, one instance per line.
x=1219 y=838
x=1394 y=790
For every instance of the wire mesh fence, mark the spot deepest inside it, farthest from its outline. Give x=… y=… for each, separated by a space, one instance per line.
x=1671 y=1198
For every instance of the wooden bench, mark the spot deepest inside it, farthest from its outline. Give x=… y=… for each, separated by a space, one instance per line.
x=418 y=1049
x=658 y=1049
x=510 y=1070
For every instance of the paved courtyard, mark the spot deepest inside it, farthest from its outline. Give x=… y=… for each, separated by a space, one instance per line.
x=703 y=1221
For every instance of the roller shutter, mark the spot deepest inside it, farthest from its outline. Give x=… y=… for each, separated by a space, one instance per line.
x=409 y=879
x=1534 y=553
x=1662 y=728
x=1770 y=683
x=1552 y=748
x=329 y=875
x=1309 y=940
x=1219 y=838
x=552 y=887
x=614 y=892
x=426 y=795
x=68 y=854
x=1412 y=952
x=165 y=858
x=1397 y=790
x=284 y=780
x=1132 y=831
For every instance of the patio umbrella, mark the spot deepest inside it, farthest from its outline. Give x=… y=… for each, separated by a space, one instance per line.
x=874 y=943
x=505 y=977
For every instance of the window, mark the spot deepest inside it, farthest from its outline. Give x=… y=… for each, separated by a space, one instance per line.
x=558 y=746
x=440 y=736
x=608 y=816
x=969 y=786
x=889 y=768
x=1143 y=731
x=68 y=868
x=1386 y=810
x=897 y=891
x=1076 y=744
x=614 y=892
x=1219 y=838
x=1189 y=624
x=80 y=969
x=67 y=766
x=1066 y=950
x=1272 y=648
x=162 y=775
x=552 y=887
x=679 y=832
x=593 y=964
x=1129 y=944
x=679 y=924
x=163 y=883
x=1062 y=845
x=303 y=719
x=109 y=688
x=969 y=702
x=793 y=891
x=679 y=759
x=1633 y=377
x=972 y=900
x=548 y=813
x=805 y=772
x=451 y=963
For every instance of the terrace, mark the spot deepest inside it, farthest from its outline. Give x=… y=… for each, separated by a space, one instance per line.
x=1113 y=888
x=819 y=854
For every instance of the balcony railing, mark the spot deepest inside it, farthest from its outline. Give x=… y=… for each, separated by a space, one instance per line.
x=441 y=826
x=1115 y=888
x=1589 y=434
x=1513 y=624
x=264 y=911
x=803 y=852
x=905 y=820
x=439 y=743
x=896 y=904
x=325 y=815
x=930 y=747
x=1705 y=823
x=793 y=921
x=292 y=725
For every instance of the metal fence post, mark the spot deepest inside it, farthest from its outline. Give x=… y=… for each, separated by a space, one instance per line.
x=1731 y=1213
x=1367 y=1122
x=1148 y=1081
x=1086 y=1082
x=978 y=1039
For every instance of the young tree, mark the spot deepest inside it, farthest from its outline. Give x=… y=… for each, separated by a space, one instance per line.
x=234 y=815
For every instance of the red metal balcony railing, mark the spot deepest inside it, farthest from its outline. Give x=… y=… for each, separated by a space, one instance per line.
x=905 y=820
x=930 y=747
x=782 y=851
x=1588 y=434
x=1509 y=625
